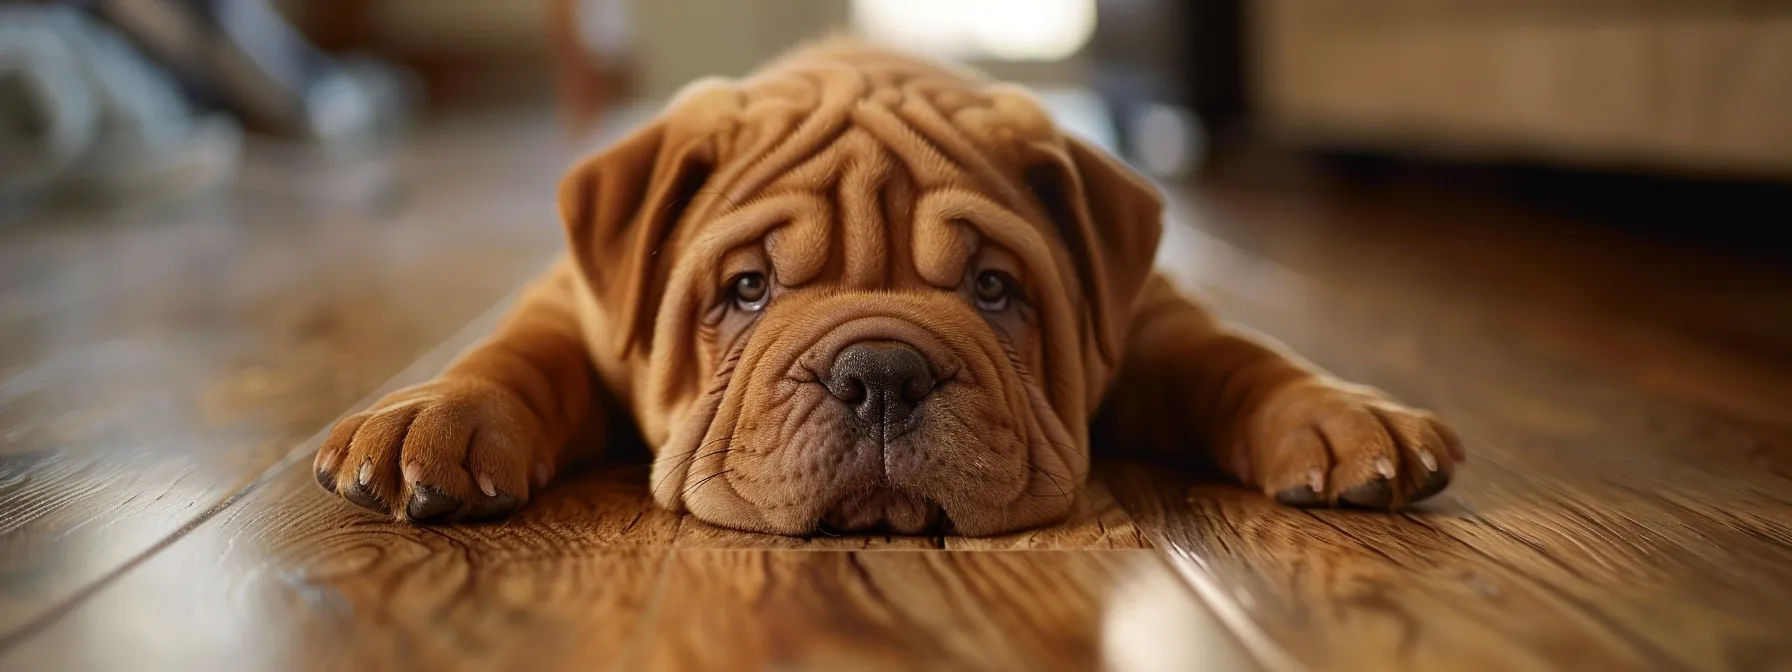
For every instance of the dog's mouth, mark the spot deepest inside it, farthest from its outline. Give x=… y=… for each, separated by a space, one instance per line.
x=884 y=510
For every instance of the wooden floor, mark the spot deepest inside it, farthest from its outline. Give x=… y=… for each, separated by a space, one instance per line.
x=164 y=373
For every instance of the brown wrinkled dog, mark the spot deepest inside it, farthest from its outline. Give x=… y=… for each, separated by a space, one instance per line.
x=859 y=290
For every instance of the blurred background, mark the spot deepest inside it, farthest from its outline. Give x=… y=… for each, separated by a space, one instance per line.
x=1667 y=110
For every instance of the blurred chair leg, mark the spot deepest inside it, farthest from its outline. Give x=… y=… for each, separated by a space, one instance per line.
x=87 y=114
x=588 y=77
x=246 y=56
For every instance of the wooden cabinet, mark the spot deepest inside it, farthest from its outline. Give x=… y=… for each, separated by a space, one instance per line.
x=1699 y=87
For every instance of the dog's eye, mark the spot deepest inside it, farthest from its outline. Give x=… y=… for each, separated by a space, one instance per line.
x=992 y=290
x=749 y=290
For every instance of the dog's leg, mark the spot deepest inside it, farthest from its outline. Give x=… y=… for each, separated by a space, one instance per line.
x=482 y=437
x=1266 y=417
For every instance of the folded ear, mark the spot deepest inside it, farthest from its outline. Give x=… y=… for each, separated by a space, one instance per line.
x=1110 y=218
x=619 y=207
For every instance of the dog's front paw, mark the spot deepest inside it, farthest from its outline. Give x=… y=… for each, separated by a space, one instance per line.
x=1324 y=443
x=443 y=450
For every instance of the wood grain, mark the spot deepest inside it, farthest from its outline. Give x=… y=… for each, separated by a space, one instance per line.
x=1354 y=591
x=291 y=578
x=593 y=576
x=158 y=359
x=749 y=609
x=1597 y=523
x=1096 y=522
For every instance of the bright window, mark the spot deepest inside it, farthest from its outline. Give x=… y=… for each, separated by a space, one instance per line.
x=1010 y=30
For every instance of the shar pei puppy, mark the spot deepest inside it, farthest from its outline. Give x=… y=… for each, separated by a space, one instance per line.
x=859 y=290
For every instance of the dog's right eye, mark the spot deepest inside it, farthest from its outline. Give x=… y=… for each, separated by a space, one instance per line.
x=992 y=290
x=749 y=290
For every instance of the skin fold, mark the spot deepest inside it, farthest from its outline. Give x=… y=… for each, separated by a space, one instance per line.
x=859 y=290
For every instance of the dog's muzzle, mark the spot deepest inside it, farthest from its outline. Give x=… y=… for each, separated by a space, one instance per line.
x=884 y=383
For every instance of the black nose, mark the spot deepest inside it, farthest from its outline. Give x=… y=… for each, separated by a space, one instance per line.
x=882 y=382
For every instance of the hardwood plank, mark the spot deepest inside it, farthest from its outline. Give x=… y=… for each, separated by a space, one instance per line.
x=1707 y=330
x=758 y=609
x=157 y=360
x=1598 y=523
x=1359 y=590
x=291 y=578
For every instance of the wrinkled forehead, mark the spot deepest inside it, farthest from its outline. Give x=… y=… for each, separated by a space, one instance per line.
x=875 y=183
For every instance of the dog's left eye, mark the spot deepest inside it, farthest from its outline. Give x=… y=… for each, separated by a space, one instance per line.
x=749 y=291
x=992 y=290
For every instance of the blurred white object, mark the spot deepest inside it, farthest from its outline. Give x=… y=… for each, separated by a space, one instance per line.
x=1009 y=30
x=606 y=27
x=1083 y=114
x=85 y=112
x=1167 y=141
x=1152 y=622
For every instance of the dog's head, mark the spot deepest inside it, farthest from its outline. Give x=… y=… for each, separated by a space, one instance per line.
x=859 y=291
